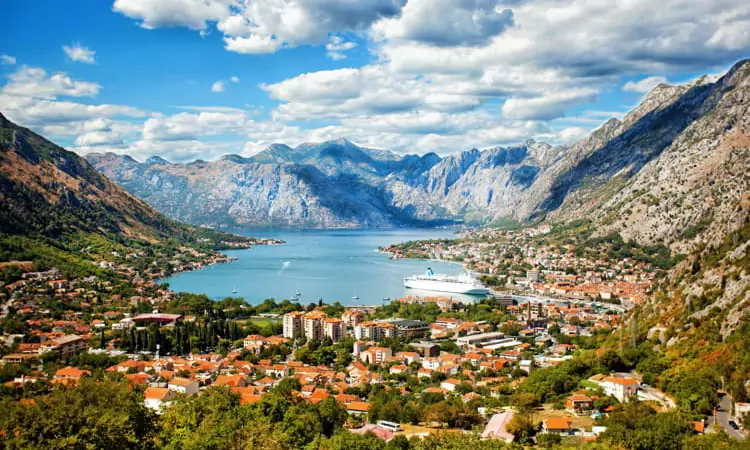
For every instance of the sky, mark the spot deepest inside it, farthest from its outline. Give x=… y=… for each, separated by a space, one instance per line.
x=197 y=79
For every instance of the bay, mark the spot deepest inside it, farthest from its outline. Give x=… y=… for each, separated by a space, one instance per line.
x=335 y=265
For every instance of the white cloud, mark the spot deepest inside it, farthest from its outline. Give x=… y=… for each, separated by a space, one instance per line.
x=548 y=106
x=446 y=22
x=7 y=60
x=31 y=111
x=35 y=82
x=186 y=126
x=234 y=79
x=78 y=53
x=174 y=13
x=218 y=86
x=263 y=26
x=644 y=85
x=336 y=47
x=99 y=138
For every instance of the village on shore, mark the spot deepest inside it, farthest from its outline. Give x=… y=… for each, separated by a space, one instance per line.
x=549 y=303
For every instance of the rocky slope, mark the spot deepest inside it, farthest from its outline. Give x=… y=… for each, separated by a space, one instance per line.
x=48 y=192
x=333 y=184
x=674 y=171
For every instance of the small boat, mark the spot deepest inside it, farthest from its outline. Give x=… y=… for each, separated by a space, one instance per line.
x=355 y=296
x=234 y=290
x=386 y=299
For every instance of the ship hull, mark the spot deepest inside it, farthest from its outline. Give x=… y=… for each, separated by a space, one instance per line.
x=445 y=286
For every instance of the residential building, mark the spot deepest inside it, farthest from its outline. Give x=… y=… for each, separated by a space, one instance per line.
x=183 y=386
x=293 y=324
x=312 y=325
x=352 y=317
x=621 y=388
x=157 y=398
x=375 y=355
x=333 y=329
x=579 y=404
x=558 y=425
x=67 y=346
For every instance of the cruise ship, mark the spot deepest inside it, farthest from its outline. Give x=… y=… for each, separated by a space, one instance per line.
x=463 y=284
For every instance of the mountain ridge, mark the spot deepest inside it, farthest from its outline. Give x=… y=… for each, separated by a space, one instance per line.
x=528 y=183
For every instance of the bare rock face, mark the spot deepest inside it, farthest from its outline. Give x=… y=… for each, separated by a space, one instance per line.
x=674 y=171
x=335 y=184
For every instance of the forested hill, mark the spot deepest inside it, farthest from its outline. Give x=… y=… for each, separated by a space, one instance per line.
x=51 y=197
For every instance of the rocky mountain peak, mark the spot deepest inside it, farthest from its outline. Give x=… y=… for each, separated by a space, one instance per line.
x=155 y=160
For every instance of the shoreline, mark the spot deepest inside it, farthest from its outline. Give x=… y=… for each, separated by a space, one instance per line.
x=393 y=272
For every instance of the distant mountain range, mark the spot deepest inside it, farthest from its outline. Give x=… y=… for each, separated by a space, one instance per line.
x=673 y=164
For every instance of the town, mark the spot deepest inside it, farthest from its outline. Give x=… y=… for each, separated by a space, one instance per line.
x=414 y=367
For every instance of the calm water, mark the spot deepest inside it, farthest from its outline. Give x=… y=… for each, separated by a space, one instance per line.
x=331 y=264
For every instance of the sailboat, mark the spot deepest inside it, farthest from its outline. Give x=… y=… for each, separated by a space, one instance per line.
x=355 y=296
x=234 y=290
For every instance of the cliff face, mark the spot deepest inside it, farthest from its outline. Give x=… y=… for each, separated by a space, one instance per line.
x=675 y=170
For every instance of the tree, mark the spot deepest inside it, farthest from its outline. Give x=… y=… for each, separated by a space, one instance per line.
x=95 y=414
x=521 y=426
x=548 y=440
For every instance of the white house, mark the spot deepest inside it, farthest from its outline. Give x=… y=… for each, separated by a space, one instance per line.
x=620 y=388
x=183 y=386
x=157 y=398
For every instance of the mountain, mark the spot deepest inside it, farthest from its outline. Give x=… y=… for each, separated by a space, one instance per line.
x=673 y=165
x=674 y=171
x=55 y=203
x=331 y=184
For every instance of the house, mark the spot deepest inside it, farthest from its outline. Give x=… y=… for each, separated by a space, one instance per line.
x=558 y=425
x=399 y=368
x=71 y=373
x=266 y=382
x=375 y=355
x=579 y=403
x=156 y=398
x=358 y=408
x=230 y=380
x=495 y=428
x=67 y=346
x=450 y=384
x=183 y=385
x=622 y=388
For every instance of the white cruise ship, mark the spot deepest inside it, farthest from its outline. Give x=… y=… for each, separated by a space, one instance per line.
x=463 y=284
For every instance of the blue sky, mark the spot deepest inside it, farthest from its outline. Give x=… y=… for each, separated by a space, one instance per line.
x=189 y=79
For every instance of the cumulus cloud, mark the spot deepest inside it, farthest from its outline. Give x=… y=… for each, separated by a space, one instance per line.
x=174 y=13
x=234 y=79
x=644 y=85
x=33 y=111
x=7 y=60
x=186 y=126
x=218 y=86
x=35 y=82
x=263 y=26
x=99 y=138
x=78 y=53
x=446 y=22
x=546 y=107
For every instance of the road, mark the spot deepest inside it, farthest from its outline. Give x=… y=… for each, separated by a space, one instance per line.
x=540 y=299
x=723 y=416
x=649 y=393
